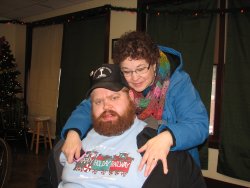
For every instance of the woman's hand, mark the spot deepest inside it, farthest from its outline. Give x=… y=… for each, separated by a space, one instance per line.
x=72 y=146
x=157 y=148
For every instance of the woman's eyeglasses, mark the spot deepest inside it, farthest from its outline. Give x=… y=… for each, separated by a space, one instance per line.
x=138 y=71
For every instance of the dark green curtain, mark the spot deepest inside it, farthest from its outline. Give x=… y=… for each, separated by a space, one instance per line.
x=234 y=151
x=83 y=49
x=179 y=27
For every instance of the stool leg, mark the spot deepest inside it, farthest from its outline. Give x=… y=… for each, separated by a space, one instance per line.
x=45 y=135
x=49 y=137
x=38 y=136
x=32 y=141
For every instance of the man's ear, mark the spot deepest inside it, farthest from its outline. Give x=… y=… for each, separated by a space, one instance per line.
x=131 y=94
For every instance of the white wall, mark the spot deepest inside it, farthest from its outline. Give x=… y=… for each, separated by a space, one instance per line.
x=117 y=27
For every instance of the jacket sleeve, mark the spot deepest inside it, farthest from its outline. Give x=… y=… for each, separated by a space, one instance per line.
x=185 y=114
x=80 y=119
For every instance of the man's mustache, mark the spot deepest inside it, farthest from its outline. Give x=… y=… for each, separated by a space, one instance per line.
x=108 y=112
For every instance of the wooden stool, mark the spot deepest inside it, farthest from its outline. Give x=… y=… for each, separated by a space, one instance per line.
x=42 y=126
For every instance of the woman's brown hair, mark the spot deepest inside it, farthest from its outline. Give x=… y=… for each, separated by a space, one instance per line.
x=136 y=45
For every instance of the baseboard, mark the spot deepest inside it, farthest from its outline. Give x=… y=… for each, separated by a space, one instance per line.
x=211 y=183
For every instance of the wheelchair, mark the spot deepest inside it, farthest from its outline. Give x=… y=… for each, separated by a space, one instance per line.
x=5 y=163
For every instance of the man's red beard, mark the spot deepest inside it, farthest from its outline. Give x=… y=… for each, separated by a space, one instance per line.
x=114 y=127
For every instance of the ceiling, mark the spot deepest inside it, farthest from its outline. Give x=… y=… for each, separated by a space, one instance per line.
x=20 y=9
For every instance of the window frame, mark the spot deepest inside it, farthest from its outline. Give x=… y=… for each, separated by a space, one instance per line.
x=214 y=139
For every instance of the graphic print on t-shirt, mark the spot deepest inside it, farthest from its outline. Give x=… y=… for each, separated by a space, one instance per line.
x=95 y=162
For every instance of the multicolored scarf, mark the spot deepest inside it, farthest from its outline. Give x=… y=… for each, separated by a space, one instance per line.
x=153 y=103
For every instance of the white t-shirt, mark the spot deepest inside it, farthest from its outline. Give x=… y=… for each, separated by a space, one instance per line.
x=107 y=162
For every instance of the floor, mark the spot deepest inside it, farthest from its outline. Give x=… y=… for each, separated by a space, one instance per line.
x=26 y=166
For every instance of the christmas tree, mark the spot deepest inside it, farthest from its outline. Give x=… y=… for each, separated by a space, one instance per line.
x=9 y=86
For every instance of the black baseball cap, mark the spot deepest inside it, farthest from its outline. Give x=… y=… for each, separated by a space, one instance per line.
x=106 y=76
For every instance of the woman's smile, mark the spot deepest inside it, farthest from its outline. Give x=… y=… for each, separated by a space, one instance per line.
x=136 y=84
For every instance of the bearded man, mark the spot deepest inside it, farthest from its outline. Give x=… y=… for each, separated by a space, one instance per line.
x=110 y=156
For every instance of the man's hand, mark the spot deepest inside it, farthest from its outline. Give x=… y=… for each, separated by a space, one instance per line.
x=72 y=146
x=157 y=148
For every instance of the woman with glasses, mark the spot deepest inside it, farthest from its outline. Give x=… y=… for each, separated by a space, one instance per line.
x=164 y=97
